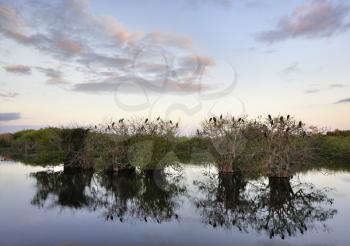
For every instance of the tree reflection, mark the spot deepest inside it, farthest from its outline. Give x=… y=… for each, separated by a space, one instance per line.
x=286 y=207
x=279 y=207
x=62 y=189
x=152 y=196
x=225 y=203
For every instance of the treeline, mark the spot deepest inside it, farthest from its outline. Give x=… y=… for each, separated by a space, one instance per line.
x=277 y=146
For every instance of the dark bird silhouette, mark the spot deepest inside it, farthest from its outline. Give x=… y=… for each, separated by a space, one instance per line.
x=239 y=120
x=113 y=124
x=111 y=217
x=214 y=119
x=281 y=119
x=210 y=119
x=221 y=117
x=145 y=219
x=146 y=120
x=95 y=127
x=198 y=132
x=300 y=124
x=121 y=219
x=121 y=120
x=270 y=118
x=176 y=216
x=287 y=130
x=288 y=116
x=158 y=118
x=170 y=122
x=108 y=128
x=271 y=122
x=177 y=124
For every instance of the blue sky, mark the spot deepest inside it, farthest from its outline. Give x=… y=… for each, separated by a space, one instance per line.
x=65 y=62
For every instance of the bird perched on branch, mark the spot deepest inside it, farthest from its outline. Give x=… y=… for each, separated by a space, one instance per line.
x=146 y=120
x=288 y=116
x=170 y=122
x=210 y=119
x=214 y=119
x=221 y=117
x=198 y=132
x=281 y=119
x=300 y=124
x=177 y=124
x=158 y=118
x=270 y=118
x=113 y=124
x=239 y=120
x=121 y=120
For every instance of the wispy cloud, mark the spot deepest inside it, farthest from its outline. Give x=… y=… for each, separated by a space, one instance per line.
x=54 y=76
x=9 y=116
x=330 y=87
x=9 y=94
x=318 y=18
x=311 y=91
x=346 y=100
x=336 y=85
x=291 y=68
x=104 y=45
x=18 y=69
x=220 y=3
x=255 y=4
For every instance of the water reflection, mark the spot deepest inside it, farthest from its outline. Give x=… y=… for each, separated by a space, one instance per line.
x=277 y=206
x=62 y=189
x=150 y=197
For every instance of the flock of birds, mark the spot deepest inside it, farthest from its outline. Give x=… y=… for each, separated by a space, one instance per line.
x=211 y=119
x=121 y=121
x=282 y=121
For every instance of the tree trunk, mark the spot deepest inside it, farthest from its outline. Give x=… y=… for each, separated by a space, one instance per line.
x=225 y=167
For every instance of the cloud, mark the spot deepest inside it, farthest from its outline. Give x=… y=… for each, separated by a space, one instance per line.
x=54 y=76
x=96 y=45
x=336 y=86
x=255 y=4
x=18 y=69
x=291 y=68
x=9 y=94
x=318 y=18
x=346 y=100
x=311 y=91
x=131 y=85
x=9 y=116
x=331 y=86
x=220 y=3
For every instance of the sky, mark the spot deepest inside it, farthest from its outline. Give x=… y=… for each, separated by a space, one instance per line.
x=81 y=62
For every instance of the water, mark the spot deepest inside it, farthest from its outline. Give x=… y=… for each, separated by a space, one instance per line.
x=41 y=206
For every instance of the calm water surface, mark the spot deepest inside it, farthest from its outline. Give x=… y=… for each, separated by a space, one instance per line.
x=42 y=206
